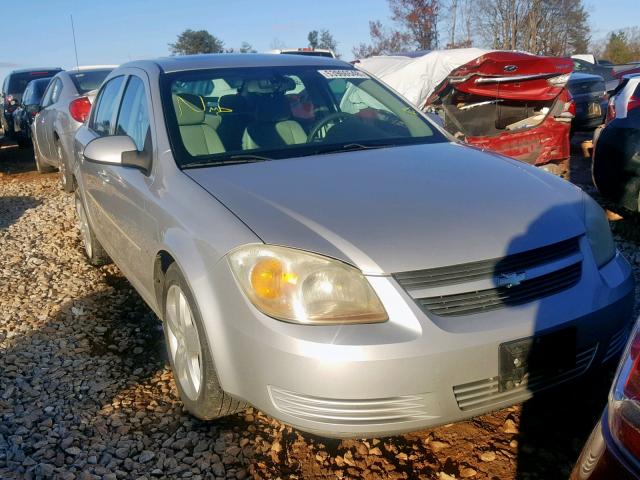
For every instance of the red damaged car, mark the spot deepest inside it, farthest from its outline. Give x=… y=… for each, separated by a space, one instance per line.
x=512 y=103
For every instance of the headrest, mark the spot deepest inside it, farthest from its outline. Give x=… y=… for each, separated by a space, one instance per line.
x=236 y=103
x=189 y=108
x=273 y=108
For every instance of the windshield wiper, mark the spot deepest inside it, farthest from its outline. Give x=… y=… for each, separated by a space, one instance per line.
x=230 y=160
x=349 y=147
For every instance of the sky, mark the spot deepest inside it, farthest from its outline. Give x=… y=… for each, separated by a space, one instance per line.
x=116 y=31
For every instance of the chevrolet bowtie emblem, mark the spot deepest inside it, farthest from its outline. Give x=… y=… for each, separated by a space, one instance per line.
x=510 y=279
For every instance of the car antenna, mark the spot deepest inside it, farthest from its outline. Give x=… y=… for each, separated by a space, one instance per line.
x=75 y=47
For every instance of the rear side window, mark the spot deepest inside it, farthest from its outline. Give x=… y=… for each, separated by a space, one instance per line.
x=90 y=80
x=53 y=92
x=105 y=107
x=56 y=90
x=133 y=119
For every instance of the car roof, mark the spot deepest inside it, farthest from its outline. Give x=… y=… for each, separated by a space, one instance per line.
x=631 y=76
x=230 y=60
x=42 y=69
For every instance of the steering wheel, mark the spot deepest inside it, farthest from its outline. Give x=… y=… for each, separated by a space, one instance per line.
x=324 y=121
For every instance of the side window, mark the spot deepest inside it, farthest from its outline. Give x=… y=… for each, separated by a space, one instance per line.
x=46 y=99
x=55 y=91
x=105 y=107
x=133 y=119
x=27 y=95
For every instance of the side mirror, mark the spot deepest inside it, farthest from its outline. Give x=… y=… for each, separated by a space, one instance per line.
x=117 y=150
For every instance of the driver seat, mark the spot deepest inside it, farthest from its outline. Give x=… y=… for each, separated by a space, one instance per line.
x=274 y=126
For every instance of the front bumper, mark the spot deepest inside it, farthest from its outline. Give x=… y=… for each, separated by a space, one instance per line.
x=411 y=372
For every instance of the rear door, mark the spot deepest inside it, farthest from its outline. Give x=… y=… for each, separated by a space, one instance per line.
x=95 y=176
x=125 y=190
x=46 y=118
x=117 y=196
x=39 y=123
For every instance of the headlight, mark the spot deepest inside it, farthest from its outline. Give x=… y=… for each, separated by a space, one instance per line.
x=302 y=287
x=598 y=232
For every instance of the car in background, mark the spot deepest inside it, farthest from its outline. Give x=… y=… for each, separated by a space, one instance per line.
x=612 y=74
x=613 y=448
x=299 y=261
x=307 y=51
x=12 y=88
x=616 y=150
x=589 y=95
x=581 y=65
x=65 y=106
x=27 y=110
x=513 y=103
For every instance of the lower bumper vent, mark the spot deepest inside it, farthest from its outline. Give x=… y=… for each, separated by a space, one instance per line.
x=351 y=412
x=486 y=393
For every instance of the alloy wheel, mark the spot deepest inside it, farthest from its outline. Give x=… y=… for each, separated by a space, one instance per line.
x=184 y=343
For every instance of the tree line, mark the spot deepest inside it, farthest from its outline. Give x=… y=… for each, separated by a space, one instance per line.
x=542 y=27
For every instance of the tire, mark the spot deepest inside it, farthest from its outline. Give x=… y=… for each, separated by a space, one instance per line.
x=40 y=165
x=63 y=168
x=94 y=252
x=195 y=374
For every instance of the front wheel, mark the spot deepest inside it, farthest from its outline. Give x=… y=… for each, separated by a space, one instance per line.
x=94 y=252
x=190 y=355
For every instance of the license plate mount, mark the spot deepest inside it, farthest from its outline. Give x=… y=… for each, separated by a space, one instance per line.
x=542 y=355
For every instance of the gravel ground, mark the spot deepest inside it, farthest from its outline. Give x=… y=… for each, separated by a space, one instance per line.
x=86 y=392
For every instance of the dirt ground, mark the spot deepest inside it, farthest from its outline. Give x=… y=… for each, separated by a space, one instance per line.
x=153 y=438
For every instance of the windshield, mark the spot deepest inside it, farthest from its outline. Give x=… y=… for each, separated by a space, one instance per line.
x=89 y=80
x=283 y=112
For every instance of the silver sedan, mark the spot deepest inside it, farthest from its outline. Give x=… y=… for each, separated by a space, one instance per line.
x=316 y=247
x=64 y=107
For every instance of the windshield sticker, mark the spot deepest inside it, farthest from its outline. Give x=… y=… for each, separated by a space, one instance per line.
x=342 y=74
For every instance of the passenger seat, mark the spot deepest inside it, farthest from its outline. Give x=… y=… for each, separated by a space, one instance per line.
x=198 y=137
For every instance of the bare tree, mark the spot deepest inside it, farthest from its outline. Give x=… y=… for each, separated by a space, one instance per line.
x=546 y=27
x=419 y=18
x=383 y=41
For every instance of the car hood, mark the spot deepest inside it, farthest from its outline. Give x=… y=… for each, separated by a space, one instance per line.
x=398 y=209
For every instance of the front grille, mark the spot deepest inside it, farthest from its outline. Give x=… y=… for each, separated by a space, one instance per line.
x=492 y=298
x=352 y=412
x=436 y=277
x=486 y=393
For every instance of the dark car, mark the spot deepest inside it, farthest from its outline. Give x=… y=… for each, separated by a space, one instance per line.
x=13 y=87
x=616 y=161
x=605 y=70
x=590 y=99
x=613 y=448
x=29 y=106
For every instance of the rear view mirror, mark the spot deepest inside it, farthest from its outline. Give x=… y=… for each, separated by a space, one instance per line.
x=116 y=150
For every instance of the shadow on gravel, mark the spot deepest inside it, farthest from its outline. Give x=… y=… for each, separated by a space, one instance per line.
x=15 y=160
x=12 y=208
x=88 y=390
